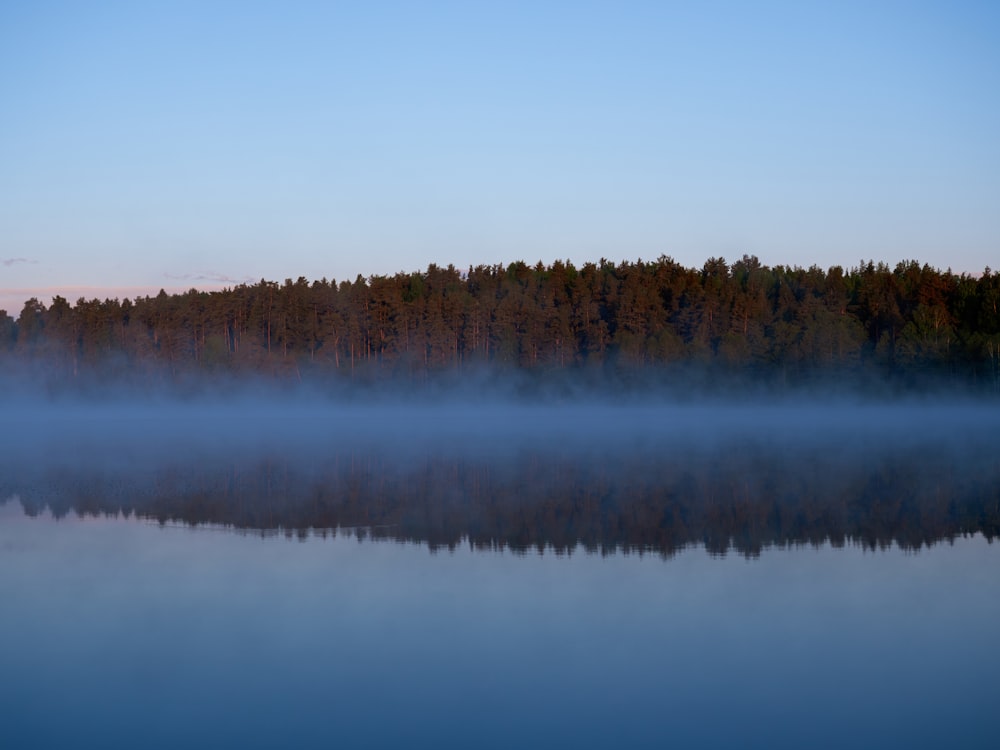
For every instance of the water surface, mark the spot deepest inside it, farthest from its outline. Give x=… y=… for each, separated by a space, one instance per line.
x=676 y=584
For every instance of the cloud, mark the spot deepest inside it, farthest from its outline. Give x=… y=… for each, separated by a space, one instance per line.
x=217 y=278
x=12 y=261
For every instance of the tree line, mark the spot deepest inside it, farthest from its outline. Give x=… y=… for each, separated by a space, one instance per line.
x=910 y=321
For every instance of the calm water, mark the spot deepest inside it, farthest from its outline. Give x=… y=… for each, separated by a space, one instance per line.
x=676 y=589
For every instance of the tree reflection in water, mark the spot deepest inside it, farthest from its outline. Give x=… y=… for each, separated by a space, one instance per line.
x=741 y=495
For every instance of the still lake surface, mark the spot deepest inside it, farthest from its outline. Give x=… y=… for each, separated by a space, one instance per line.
x=495 y=577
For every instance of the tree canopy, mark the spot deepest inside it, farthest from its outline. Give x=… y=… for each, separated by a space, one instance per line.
x=792 y=323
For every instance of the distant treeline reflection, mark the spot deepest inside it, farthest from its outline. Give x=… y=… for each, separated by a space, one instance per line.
x=741 y=498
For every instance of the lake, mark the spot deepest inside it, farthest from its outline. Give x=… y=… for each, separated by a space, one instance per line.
x=250 y=575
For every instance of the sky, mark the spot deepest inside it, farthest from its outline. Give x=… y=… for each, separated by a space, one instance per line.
x=204 y=144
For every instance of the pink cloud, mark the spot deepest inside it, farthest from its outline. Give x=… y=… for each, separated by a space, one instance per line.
x=217 y=278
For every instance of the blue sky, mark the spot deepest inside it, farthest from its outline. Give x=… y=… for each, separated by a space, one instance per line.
x=175 y=144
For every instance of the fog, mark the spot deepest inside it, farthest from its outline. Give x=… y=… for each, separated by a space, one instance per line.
x=587 y=467
x=118 y=433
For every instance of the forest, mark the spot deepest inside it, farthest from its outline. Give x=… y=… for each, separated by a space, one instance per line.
x=909 y=324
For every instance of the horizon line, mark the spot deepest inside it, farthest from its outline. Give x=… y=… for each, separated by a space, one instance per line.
x=74 y=292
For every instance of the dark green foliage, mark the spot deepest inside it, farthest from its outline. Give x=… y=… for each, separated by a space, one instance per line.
x=907 y=325
x=8 y=332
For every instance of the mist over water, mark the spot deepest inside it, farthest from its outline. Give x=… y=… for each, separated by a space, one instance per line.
x=618 y=568
x=497 y=471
